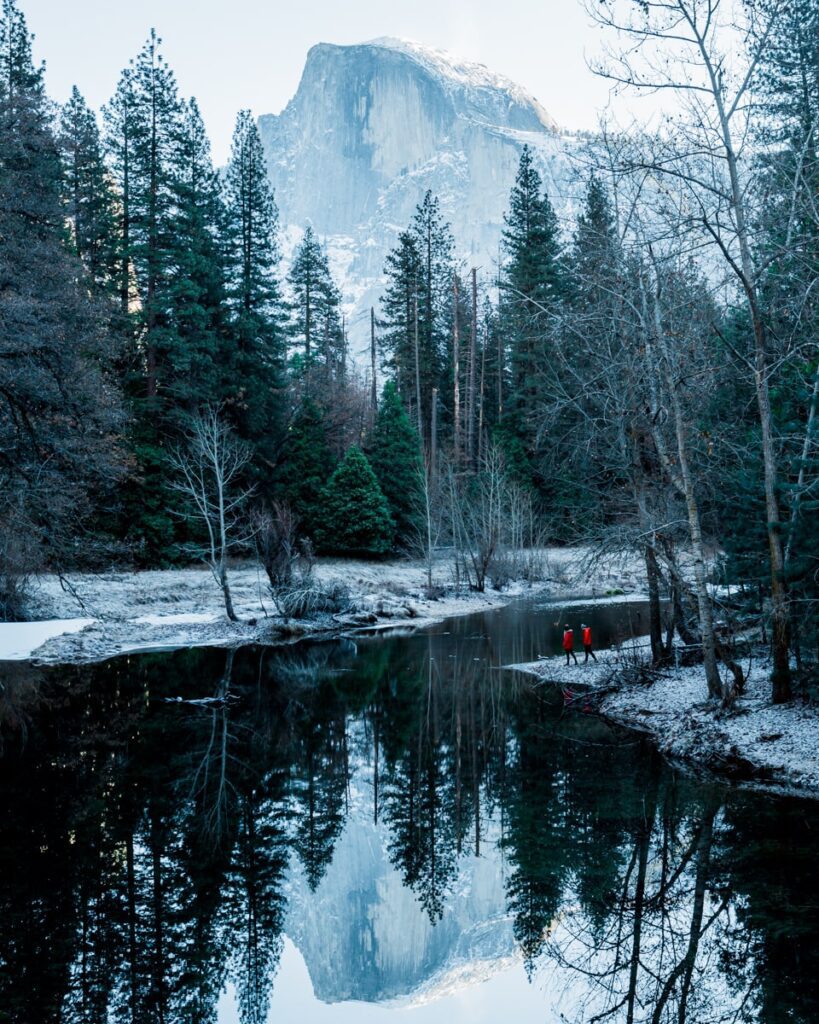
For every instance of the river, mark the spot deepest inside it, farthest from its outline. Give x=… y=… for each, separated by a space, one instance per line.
x=392 y=829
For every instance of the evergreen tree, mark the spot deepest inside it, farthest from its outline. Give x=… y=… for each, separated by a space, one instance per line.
x=395 y=456
x=417 y=309
x=399 y=306
x=317 y=328
x=198 y=288
x=531 y=285
x=57 y=403
x=596 y=289
x=320 y=782
x=306 y=465
x=258 y=324
x=493 y=360
x=595 y=254
x=143 y=130
x=355 y=516
x=144 y=124
x=436 y=247
x=89 y=198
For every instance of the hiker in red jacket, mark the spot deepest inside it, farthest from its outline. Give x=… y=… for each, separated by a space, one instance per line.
x=585 y=634
x=568 y=644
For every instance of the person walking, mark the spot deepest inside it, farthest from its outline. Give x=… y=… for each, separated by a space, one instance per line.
x=586 y=637
x=568 y=644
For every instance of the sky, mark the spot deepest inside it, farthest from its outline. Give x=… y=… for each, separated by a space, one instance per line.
x=232 y=54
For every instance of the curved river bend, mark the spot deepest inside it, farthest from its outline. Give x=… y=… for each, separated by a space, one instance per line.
x=383 y=831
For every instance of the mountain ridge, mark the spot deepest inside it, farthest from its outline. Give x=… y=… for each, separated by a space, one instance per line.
x=372 y=126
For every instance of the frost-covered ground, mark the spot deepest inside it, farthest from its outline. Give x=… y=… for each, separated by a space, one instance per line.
x=105 y=614
x=773 y=747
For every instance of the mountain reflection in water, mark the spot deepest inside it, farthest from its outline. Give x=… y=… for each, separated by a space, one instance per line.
x=395 y=823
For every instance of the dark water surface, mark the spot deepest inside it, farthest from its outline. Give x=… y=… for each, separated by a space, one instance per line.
x=392 y=830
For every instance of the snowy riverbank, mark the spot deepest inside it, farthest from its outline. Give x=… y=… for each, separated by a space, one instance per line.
x=770 y=747
x=91 y=617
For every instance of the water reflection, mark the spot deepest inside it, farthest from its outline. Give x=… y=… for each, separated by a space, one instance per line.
x=411 y=818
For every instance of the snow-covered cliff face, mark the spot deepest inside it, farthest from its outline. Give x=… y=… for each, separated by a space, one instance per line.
x=372 y=127
x=364 y=935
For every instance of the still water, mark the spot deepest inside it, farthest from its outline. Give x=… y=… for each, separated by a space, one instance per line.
x=392 y=830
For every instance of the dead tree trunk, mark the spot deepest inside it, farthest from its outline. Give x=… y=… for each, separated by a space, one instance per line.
x=373 y=382
x=456 y=372
x=473 y=343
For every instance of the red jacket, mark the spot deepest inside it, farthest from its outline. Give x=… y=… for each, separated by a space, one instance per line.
x=587 y=636
x=568 y=640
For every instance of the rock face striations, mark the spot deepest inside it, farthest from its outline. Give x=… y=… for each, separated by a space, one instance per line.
x=373 y=126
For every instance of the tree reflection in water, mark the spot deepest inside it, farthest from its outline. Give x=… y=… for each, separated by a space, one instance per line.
x=147 y=847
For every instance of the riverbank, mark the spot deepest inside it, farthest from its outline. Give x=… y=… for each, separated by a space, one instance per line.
x=82 y=618
x=767 y=746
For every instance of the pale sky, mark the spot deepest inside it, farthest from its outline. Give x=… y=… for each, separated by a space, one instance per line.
x=231 y=54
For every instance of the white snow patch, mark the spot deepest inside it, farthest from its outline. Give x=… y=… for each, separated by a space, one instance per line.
x=779 y=741
x=580 y=602
x=19 y=640
x=170 y=608
x=182 y=619
x=765 y=745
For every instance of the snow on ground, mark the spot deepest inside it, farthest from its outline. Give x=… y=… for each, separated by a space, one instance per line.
x=18 y=640
x=592 y=674
x=775 y=746
x=768 y=746
x=581 y=602
x=164 y=609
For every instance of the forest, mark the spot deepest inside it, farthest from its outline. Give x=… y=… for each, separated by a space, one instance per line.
x=642 y=377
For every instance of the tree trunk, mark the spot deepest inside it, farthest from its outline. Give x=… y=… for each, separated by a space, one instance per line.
x=373 y=383
x=418 y=370
x=433 y=440
x=655 y=621
x=224 y=583
x=456 y=372
x=800 y=480
x=481 y=401
x=684 y=483
x=470 y=398
x=780 y=612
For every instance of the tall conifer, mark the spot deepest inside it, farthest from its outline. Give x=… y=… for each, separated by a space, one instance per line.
x=530 y=284
x=89 y=197
x=396 y=459
x=257 y=312
x=57 y=405
x=316 y=328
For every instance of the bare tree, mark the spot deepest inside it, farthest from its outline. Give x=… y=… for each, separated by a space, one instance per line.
x=697 y=51
x=431 y=518
x=208 y=469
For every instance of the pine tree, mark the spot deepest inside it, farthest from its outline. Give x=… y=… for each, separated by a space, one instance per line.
x=317 y=328
x=198 y=288
x=595 y=255
x=89 y=198
x=417 y=309
x=258 y=321
x=436 y=246
x=57 y=403
x=306 y=465
x=159 y=158
x=355 y=516
x=581 y=482
x=399 y=306
x=396 y=459
x=530 y=286
x=144 y=123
